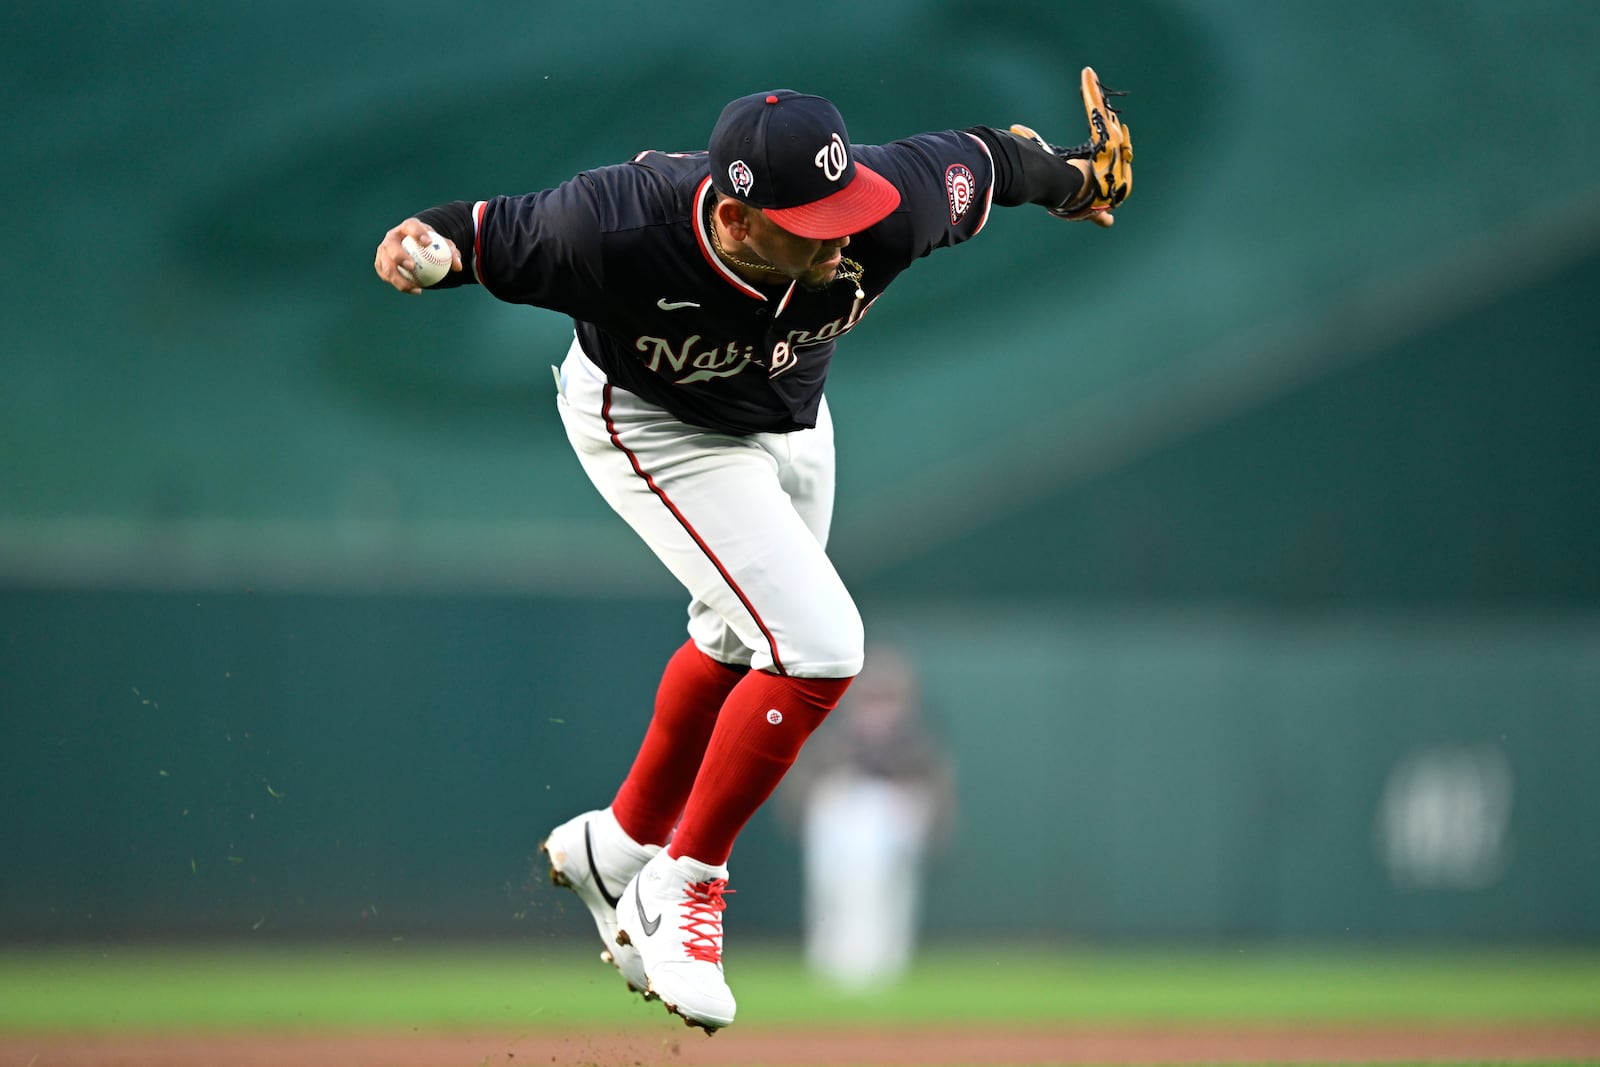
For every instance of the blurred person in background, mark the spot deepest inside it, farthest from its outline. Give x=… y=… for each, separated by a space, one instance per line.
x=871 y=795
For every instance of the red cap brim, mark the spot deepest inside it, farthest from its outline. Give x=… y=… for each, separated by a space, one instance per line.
x=865 y=202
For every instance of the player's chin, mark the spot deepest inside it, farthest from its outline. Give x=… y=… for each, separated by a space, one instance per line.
x=820 y=277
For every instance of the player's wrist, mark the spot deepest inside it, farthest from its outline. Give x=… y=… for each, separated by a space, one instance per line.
x=453 y=220
x=1084 y=195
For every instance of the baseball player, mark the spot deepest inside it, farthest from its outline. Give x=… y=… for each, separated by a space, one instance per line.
x=708 y=290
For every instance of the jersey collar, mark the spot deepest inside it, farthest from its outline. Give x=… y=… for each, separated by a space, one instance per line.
x=701 y=200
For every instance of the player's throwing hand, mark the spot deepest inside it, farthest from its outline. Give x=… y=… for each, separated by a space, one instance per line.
x=392 y=255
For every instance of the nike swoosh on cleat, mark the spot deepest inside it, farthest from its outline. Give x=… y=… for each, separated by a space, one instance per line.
x=588 y=847
x=650 y=925
x=674 y=305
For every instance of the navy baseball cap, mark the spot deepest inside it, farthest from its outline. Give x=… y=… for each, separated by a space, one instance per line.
x=788 y=154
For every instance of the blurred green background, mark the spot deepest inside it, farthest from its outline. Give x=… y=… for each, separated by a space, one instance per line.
x=1247 y=550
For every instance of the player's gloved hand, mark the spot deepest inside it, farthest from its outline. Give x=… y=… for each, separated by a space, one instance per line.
x=1106 y=158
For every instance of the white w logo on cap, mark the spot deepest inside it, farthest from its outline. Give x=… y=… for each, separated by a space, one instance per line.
x=832 y=158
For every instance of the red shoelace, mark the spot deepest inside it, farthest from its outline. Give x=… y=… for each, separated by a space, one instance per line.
x=703 y=919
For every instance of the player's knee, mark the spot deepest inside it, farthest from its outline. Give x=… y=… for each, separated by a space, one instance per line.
x=831 y=648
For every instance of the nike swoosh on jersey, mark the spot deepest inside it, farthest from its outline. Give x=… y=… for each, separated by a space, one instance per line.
x=675 y=305
x=650 y=925
x=594 y=869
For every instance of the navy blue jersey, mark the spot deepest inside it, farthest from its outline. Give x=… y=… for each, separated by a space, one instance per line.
x=625 y=250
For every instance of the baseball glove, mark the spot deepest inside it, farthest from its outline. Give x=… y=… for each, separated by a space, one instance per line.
x=1109 y=152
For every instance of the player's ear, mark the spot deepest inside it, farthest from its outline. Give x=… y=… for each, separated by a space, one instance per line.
x=734 y=216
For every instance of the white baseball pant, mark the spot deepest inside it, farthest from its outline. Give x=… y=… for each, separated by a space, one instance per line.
x=742 y=522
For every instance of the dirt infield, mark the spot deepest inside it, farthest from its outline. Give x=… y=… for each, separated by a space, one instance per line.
x=794 y=1048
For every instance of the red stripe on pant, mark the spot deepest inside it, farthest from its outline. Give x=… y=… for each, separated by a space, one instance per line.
x=638 y=468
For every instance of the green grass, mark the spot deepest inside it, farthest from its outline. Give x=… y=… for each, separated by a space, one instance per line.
x=304 y=987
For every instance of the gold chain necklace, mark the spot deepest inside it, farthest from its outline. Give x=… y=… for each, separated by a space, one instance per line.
x=849 y=269
x=716 y=242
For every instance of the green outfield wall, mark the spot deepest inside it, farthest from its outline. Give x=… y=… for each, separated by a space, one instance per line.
x=232 y=765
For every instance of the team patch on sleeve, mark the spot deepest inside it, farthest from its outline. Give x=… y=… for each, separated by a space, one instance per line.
x=960 y=186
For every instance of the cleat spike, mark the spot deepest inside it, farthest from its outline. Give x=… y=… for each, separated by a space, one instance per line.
x=692 y=1024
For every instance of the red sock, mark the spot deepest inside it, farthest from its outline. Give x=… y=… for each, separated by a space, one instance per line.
x=692 y=690
x=758 y=734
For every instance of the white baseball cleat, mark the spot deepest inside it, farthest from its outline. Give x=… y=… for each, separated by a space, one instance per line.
x=595 y=858
x=671 y=914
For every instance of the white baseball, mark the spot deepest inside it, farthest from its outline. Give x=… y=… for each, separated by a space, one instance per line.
x=432 y=259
